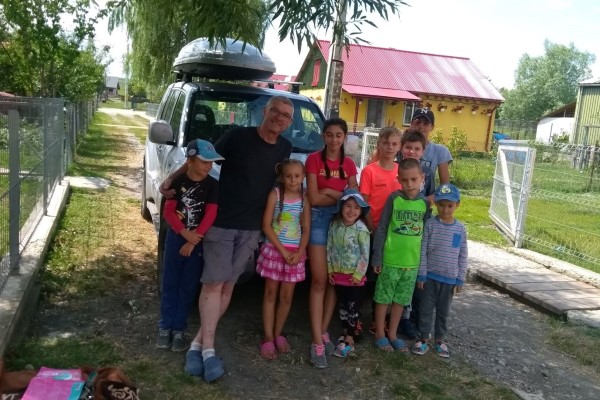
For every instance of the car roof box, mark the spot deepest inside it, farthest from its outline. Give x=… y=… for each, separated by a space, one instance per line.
x=234 y=61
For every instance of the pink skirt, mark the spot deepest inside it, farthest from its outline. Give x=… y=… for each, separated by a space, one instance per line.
x=271 y=264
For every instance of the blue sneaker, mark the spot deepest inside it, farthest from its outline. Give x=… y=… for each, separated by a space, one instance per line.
x=213 y=369
x=193 y=363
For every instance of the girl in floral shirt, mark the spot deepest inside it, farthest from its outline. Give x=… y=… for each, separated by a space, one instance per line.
x=348 y=243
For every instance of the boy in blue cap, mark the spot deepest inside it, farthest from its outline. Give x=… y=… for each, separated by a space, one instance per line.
x=442 y=269
x=189 y=213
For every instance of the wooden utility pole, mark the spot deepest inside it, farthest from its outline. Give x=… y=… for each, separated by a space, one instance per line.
x=335 y=67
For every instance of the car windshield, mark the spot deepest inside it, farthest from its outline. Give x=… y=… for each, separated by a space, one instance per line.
x=213 y=113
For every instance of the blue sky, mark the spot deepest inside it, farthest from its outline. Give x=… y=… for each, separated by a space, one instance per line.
x=494 y=34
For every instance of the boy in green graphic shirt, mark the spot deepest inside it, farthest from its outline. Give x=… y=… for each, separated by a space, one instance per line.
x=397 y=252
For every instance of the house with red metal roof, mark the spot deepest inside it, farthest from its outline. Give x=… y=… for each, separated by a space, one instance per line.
x=382 y=86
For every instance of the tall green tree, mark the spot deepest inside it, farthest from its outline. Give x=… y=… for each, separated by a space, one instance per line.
x=159 y=28
x=547 y=82
x=39 y=58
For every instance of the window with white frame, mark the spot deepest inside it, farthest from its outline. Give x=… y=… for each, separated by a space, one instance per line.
x=409 y=109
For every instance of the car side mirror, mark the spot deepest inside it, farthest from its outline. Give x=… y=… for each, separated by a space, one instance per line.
x=351 y=145
x=160 y=132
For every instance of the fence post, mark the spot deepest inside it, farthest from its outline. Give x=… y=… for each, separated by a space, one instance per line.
x=45 y=160
x=524 y=196
x=14 y=192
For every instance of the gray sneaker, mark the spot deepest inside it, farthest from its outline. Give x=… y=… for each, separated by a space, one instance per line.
x=329 y=346
x=178 y=343
x=163 y=340
x=317 y=356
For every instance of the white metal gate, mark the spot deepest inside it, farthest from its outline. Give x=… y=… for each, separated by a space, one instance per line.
x=510 y=193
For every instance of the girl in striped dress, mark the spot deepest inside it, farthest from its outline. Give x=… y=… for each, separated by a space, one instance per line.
x=286 y=224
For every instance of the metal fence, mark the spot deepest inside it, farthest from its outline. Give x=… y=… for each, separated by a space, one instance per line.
x=516 y=129
x=562 y=215
x=38 y=139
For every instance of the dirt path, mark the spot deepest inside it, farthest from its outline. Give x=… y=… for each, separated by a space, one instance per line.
x=498 y=337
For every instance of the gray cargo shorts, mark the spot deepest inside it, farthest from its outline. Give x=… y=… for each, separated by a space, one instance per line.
x=226 y=253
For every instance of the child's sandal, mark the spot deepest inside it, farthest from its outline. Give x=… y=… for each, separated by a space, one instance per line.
x=267 y=350
x=282 y=344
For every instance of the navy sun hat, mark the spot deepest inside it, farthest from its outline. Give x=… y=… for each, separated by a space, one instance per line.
x=203 y=150
x=447 y=191
x=353 y=194
x=424 y=113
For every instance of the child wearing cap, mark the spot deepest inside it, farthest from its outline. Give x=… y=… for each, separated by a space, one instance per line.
x=442 y=269
x=189 y=213
x=435 y=156
x=348 y=243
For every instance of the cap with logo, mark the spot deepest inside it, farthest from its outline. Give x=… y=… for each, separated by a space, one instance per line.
x=203 y=150
x=424 y=113
x=447 y=191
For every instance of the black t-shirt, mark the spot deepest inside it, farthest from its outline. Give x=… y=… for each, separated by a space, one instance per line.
x=192 y=197
x=247 y=176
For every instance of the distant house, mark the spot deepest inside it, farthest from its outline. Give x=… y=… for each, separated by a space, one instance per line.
x=556 y=123
x=382 y=86
x=111 y=87
x=586 y=125
x=6 y=94
x=278 y=86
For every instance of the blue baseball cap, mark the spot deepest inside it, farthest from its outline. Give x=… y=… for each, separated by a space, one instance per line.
x=353 y=194
x=447 y=191
x=203 y=150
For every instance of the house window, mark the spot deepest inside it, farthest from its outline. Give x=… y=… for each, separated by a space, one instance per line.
x=409 y=110
x=316 y=73
x=375 y=113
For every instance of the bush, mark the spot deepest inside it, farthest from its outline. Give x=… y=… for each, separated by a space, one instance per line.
x=457 y=143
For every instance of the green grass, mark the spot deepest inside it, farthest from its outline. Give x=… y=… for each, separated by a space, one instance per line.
x=63 y=352
x=443 y=379
x=587 y=350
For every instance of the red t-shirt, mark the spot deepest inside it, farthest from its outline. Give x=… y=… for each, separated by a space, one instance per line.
x=314 y=165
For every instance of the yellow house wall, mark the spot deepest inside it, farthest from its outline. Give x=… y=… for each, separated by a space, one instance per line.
x=316 y=94
x=476 y=124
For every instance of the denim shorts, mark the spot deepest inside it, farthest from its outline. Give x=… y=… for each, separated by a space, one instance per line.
x=320 y=218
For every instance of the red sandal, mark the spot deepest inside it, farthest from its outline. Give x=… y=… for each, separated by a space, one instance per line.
x=267 y=350
x=282 y=344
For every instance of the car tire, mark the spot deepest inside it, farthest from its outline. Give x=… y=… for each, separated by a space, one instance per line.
x=144 y=211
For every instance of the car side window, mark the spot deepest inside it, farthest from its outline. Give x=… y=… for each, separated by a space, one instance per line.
x=177 y=113
x=168 y=108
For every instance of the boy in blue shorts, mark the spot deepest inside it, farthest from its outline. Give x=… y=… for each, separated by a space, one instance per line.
x=442 y=269
x=397 y=252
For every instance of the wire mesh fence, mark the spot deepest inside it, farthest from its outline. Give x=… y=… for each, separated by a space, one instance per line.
x=562 y=216
x=516 y=129
x=38 y=138
x=564 y=207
